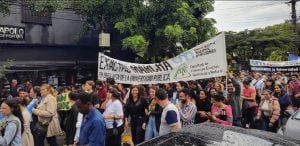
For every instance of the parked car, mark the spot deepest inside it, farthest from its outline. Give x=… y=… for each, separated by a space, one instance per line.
x=211 y=134
x=292 y=126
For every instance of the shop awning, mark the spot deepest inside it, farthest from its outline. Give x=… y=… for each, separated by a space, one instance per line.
x=22 y=66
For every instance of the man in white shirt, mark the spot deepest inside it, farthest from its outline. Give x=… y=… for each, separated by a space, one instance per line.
x=259 y=85
x=170 y=119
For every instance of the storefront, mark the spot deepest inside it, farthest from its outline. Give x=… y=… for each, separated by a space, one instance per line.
x=56 y=65
x=47 y=49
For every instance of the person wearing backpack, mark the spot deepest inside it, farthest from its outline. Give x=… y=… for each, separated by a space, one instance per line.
x=12 y=125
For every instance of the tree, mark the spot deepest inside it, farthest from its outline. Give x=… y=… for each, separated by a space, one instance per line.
x=4 y=66
x=4 y=7
x=150 y=20
x=270 y=43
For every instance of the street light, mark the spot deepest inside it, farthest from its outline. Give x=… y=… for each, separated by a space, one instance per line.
x=104 y=38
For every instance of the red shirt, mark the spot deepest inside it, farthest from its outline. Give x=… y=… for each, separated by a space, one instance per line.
x=217 y=111
x=248 y=92
x=101 y=93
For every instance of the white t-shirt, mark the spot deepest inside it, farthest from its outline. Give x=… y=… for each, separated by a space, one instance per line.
x=170 y=117
x=265 y=108
x=113 y=108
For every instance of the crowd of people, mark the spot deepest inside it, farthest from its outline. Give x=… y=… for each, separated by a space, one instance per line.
x=99 y=111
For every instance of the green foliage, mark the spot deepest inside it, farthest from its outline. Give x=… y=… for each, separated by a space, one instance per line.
x=47 y=5
x=136 y=43
x=3 y=67
x=4 y=7
x=277 y=54
x=127 y=26
x=173 y=32
x=270 y=43
x=152 y=19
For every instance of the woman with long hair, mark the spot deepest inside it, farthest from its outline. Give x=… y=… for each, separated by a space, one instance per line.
x=135 y=107
x=220 y=88
x=284 y=101
x=12 y=126
x=283 y=98
x=113 y=116
x=203 y=105
x=47 y=116
x=152 y=123
x=27 y=138
x=35 y=96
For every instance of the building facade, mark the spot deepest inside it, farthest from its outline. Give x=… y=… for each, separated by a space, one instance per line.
x=47 y=47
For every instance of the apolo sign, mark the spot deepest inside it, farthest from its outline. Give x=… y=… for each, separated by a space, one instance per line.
x=8 y=32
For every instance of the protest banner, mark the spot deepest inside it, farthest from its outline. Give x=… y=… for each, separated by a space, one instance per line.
x=203 y=61
x=275 y=66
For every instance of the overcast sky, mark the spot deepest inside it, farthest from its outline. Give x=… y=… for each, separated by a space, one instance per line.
x=241 y=15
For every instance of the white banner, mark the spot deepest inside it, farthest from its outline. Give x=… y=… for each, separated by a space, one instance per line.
x=203 y=61
x=275 y=66
x=274 y=63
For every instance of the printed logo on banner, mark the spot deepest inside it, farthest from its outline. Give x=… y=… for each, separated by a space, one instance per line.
x=182 y=72
x=183 y=57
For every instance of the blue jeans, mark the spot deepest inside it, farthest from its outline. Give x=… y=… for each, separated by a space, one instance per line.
x=265 y=125
x=151 y=131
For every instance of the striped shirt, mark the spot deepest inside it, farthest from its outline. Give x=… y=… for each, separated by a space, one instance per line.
x=187 y=114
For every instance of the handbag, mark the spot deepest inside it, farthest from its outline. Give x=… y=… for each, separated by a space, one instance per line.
x=114 y=131
x=252 y=104
x=41 y=129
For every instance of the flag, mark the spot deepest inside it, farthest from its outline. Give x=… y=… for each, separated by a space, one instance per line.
x=293 y=57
